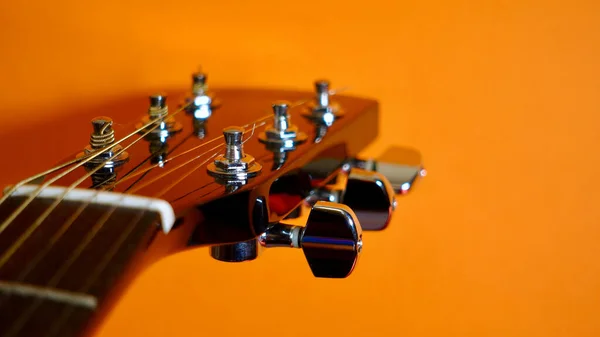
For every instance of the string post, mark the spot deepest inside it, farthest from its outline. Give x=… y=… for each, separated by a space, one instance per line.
x=199 y=83
x=281 y=136
x=201 y=102
x=323 y=110
x=322 y=90
x=102 y=139
x=158 y=106
x=158 y=114
x=102 y=133
x=234 y=164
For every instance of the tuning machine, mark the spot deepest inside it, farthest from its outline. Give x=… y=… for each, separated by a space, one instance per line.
x=158 y=120
x=323 y=111
x=103 y=137
x=281 y=136
x=202 y=102
x=401 y=166
x=369 y=194
x=234 y=167
x=331 y=241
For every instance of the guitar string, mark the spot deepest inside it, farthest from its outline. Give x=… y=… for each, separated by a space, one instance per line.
x=8 y=253
x=100 y=224
x=80 y=209
x=6 y=256
x=16 y=327
x=86 y=158
x=93 y=155
x=139 y=172
x=68 y=310
x=35 y=193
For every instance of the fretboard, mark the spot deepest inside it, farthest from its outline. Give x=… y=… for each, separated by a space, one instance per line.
x=56 y=278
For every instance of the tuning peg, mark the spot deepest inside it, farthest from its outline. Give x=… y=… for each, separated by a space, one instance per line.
x=331 y=241
x=371 y=196
x=401 y=166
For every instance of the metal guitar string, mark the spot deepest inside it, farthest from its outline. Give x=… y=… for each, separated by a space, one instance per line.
x=254 y=126
x=139 y=187
x=35 y=193
x=6 y=256
x=17 y=325
x=57 y=201
x=114 y=248
x=97 y=226
x=140 y=172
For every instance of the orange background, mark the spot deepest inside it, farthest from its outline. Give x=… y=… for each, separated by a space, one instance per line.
x=502 y=98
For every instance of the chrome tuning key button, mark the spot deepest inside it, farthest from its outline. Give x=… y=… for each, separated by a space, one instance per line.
x=401 y=166
x=281 y=136
x=331 y=240
x=158 y=119
x=234 y=166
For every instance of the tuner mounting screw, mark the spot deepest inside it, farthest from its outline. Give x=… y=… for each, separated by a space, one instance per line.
x=234 y=165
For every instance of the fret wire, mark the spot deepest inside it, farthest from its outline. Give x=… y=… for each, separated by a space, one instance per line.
x=18 y=324
x=97 y=270
x=34 y=194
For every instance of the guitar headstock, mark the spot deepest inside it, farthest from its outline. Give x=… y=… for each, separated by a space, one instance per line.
x=232 y=168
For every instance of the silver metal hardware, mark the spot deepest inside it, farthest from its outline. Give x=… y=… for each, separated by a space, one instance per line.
x=158 y=112
x=103 y=136
x=281 y=136
x=202 y=102
x=323 y=111
x=234 y=166
x=401 y=166
x=331 y=241
x=282 y=132
x=199 y=84
x=199 y=126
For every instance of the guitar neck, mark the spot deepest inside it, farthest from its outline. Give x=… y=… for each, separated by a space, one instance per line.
x=70 y=267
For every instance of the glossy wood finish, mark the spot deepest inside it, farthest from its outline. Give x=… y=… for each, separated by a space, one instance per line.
x=86 y=256
x=208 y=212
